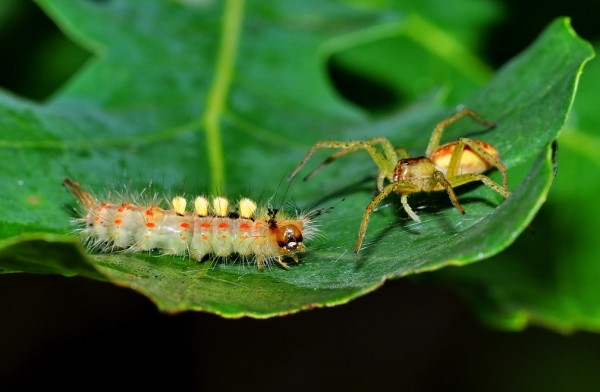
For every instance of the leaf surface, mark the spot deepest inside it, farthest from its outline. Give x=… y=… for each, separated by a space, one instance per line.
x=206 y=99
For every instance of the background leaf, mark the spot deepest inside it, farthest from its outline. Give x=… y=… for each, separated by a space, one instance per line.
x=150 y=107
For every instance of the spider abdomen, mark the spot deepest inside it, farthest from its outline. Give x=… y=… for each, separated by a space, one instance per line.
x=470 y=161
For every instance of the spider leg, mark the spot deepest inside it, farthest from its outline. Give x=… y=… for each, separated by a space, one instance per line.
x=439 y=178
x=380 y=178
x=390 y=153
x=385 y=161
x=401 y=152
x=457 y=154
x=385 y=192
x=482 y=153
x=330 y=159
x=436 y=135
x=408 y=209
x=313 y=149
x=471 y=177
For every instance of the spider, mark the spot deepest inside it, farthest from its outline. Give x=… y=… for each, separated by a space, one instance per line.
x=441 y=169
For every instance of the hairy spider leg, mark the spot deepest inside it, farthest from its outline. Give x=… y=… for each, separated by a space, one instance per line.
x=462 y=179
x=385 y=161
x=385 y=192
x=436 y=136
x=330 y=159
x=439 y=178
x=457 y=154
x=404 y=188
x=401 y=152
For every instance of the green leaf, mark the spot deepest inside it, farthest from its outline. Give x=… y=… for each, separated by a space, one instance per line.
x=550 y=276
x=199 y=98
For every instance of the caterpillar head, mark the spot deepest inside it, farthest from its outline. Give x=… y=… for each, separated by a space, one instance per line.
x=287 y=232
x=289 y=236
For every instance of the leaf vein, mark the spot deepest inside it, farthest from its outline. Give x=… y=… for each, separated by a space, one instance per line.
x=230 y=33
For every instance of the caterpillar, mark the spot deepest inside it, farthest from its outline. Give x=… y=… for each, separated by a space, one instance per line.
x=261 y=235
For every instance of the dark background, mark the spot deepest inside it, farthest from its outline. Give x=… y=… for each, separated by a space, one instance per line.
x=77 y=333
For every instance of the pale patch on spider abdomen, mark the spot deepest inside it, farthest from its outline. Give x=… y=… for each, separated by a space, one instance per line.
x=470 y=161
